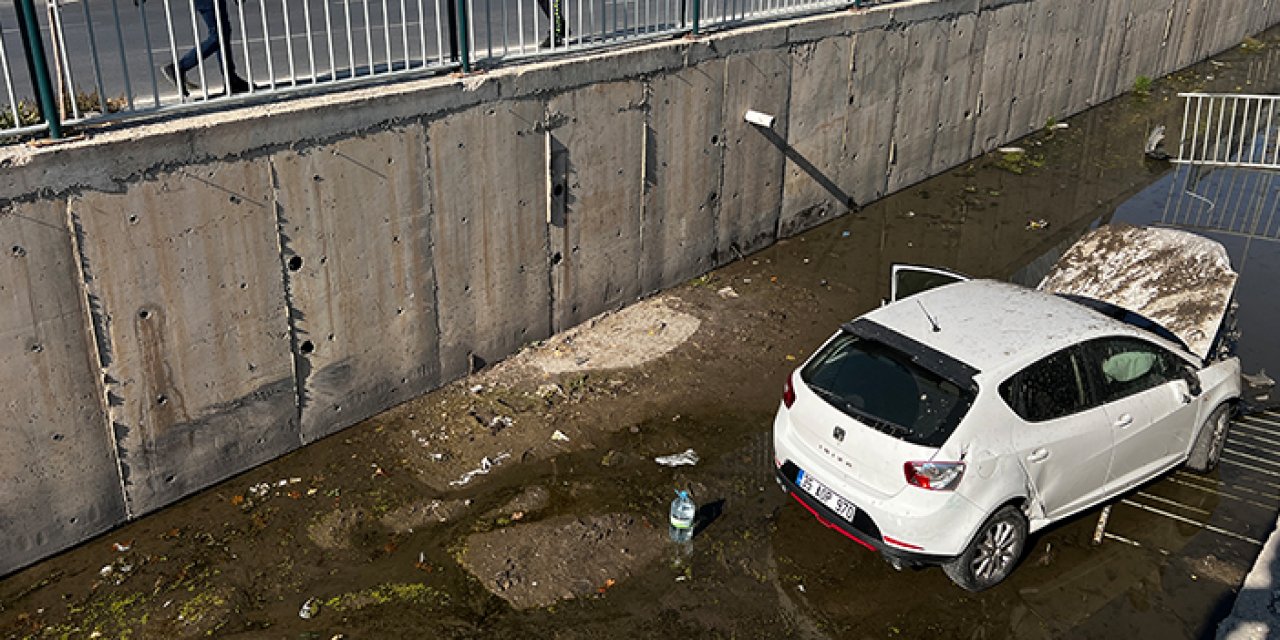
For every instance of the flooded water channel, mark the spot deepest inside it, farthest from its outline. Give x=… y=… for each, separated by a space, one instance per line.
x=562 y=532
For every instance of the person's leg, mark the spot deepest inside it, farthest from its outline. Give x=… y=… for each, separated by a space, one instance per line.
x=210 y=43
x=224 y=47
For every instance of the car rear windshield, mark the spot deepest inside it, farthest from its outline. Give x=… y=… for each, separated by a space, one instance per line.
x=886 y=390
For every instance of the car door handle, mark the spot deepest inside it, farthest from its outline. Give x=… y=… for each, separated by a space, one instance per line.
x=1039 y=455
x=1124 y=421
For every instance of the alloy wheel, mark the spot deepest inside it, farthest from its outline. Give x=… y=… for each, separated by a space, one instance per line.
x=996 y=552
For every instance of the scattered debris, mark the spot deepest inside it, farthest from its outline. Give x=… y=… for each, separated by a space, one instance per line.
x=844 y=234
x=550 y=389
x=1036 y=225
x=122 y=547
x=1153 y=148
x=1259 y=380
x=498 y=423
x=1061 y=125
x=310 y=609
x=687 y=457
x=477 y=388
x=1011 y=150
x=727 y=293
x=486 y=465
x=559 y=436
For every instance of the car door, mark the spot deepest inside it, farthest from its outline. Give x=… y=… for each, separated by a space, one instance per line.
x=1064 y=439
x=906 y=280
x=1147 y=401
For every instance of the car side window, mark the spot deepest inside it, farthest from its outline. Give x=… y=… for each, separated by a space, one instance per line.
x=1050 y=388
x=1122 y=367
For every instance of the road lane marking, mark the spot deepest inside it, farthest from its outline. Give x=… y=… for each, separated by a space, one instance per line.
x=1242 y=454
x=1223 y=494
x=1203 y=525
x=1174 y=503
x=1134 y=543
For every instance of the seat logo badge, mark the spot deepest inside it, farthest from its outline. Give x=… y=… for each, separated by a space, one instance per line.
x=838 y=434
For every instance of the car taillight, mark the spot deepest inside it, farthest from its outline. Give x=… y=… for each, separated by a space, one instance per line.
x=788 y=393
x=935 y=476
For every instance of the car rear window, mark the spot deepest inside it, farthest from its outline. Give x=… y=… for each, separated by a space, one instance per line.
x=887 y=390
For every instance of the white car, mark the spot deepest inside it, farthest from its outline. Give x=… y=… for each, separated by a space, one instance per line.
x=946 y=427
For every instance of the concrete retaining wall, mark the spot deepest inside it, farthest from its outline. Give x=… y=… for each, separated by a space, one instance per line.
x=184 y=300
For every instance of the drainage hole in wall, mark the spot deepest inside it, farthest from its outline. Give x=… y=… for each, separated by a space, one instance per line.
x=74 y=520
x=133 y=218
x=37 y=348
x=18 y=251
x=331 y=337
x=162 y=400
x=169 y=479
x=557 y=190
x=144 y=314
x=295 y=263
x=555 y=259
x=57 y=437
x=715 y=139
x=307 y=347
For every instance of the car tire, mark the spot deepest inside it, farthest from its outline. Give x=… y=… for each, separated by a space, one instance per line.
x=1209 y=440
x=992 y=554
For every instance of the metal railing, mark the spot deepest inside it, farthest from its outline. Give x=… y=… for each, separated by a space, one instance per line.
x=111 y=59
x=1230 y=130
x=1227 y=164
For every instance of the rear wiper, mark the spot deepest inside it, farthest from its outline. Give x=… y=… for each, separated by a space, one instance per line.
x=879 y=424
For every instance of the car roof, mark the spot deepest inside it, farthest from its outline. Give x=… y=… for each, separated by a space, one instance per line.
x=992 y=326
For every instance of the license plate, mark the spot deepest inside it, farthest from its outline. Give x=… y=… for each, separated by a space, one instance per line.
x=826 y=496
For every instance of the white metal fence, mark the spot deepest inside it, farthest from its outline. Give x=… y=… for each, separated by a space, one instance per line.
x=107 y=58
x=1228 y=164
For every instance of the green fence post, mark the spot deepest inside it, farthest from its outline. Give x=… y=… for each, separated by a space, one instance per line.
x=697 y=15
x=39 y=69
x=464 y=36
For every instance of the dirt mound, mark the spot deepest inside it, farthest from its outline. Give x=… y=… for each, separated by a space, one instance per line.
x=628 y=338
x=540 y=563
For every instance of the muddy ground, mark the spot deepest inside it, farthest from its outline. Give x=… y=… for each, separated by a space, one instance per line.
x=525 y=501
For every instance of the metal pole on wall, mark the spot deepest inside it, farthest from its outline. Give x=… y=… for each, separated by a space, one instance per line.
x=697 y=15
x=39 y=69
x=464 y=40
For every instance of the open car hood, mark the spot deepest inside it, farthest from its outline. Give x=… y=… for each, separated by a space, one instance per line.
x=1179 y=280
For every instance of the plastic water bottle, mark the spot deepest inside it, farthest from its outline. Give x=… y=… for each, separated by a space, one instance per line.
x=682 y=513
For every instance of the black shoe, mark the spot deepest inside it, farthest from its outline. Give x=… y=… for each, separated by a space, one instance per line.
x=547 y=44
x=238 y=85
x=179 y=80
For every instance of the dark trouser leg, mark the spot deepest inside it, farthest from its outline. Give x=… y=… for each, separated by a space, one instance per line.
x=210 y=44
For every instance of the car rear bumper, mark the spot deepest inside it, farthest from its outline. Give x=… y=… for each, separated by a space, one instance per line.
x=863 y=530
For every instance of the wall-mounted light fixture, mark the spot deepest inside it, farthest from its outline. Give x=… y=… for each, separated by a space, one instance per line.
x=759 y=119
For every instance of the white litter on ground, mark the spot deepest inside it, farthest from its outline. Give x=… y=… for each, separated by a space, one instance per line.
x=687 y=457
x=486 y=465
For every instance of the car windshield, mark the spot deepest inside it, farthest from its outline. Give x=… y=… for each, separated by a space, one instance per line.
x=887 y=390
